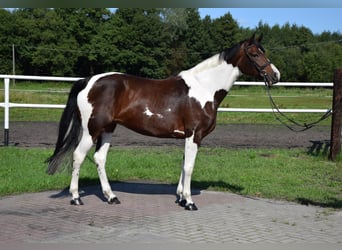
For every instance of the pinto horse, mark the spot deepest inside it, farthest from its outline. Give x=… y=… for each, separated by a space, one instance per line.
x=183 y=106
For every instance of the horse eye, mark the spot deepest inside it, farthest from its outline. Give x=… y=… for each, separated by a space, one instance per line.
x=255 y=55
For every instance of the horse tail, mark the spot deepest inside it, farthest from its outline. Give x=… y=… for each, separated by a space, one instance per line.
x=69 y=130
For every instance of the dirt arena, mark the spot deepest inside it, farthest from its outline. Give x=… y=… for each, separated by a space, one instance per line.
x=44 y=134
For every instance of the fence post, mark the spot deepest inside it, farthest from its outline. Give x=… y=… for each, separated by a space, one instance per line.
x=336 y=123
x=6 y=113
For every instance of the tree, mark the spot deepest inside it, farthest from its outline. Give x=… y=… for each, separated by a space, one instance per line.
x=43 y=45
x=152 y=43
x=175 y=27
x=141 y=42
x=197 y=39
x=6 y=41
x=87 y=25
x=225 y=30
x=321 y=61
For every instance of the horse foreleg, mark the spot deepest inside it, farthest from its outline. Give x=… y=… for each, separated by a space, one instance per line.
x=100 y=160
x=78 y=156
x=184 y=185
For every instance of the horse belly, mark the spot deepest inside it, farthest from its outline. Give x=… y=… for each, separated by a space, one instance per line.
x=155 y=124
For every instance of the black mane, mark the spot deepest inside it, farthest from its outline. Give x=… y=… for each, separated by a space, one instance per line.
x=229 y=53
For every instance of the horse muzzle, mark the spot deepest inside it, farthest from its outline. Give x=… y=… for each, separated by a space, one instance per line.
x=272 y=78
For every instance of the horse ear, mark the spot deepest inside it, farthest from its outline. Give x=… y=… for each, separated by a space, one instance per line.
x=250 y=40
x=260 y=37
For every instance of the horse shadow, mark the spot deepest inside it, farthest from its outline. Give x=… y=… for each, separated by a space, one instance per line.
x=90 y=187
x=331 y=203
x=151 y=188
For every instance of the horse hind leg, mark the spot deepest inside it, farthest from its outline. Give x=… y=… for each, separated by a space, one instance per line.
x=79 y=154
x=100 y=157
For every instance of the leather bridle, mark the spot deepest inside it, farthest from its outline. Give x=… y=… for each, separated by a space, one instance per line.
x=260 y=67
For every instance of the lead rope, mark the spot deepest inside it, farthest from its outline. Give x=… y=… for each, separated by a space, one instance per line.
x=302 y=127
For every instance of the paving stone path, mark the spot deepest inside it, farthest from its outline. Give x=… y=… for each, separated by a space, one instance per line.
x=148 y=214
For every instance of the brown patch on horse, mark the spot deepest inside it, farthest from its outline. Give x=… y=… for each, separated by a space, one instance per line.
x=169 y=112
x=122 y=99
x=207 y=121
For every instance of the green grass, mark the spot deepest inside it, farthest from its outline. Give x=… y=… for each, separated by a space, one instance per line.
x=283 y=174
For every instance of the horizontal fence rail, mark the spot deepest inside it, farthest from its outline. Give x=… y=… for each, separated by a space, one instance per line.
x=7 y=104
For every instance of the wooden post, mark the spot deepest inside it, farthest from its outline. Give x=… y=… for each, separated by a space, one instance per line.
x=336 y=123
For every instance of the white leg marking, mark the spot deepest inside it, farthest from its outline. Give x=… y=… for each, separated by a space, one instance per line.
x=100 y=159
x=190 y=154
x=79 y=155
x=180 y=184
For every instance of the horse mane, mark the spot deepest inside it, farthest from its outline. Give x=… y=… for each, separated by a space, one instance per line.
x=226 y=55
x=217 y=59
x=229 y=53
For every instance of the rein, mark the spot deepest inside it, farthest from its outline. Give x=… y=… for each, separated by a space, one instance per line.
x=293 y=123
x=283 y=118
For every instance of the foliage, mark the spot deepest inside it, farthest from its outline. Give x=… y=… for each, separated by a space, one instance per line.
x=151 y=42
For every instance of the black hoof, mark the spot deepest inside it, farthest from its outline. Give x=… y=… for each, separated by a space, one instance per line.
x=114 y=200
x=181 y=203
x=76 y=202
x=191 y=207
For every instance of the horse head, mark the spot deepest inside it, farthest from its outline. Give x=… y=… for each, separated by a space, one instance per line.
x=251 y=60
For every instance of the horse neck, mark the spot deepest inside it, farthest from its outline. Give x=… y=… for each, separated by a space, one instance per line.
x=215 y=73
x=209 y=77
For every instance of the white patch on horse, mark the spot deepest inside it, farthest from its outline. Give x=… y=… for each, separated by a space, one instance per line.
x=190 y=153
x=276 y=71
x=82 y=99
x=149 y=113
x=208 y=77
x=176 y=131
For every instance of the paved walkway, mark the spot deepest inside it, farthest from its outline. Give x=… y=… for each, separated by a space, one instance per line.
x=148 y=214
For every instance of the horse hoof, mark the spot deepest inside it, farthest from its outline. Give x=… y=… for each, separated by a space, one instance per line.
x=191 y=207
x=76 y=202
x=114 y=200
x=181 y=203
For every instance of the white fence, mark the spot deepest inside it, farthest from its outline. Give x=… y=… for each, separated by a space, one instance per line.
x=7 y=104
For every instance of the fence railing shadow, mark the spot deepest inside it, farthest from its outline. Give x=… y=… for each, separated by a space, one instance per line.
x=319 y=148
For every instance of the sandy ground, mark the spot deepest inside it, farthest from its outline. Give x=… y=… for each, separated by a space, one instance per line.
x=44 y=134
